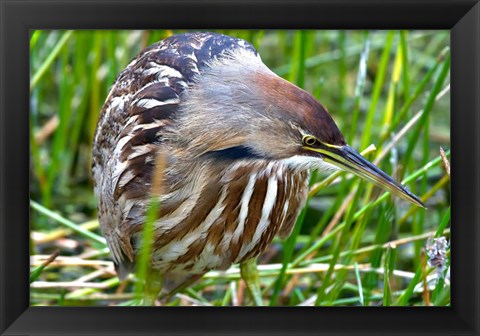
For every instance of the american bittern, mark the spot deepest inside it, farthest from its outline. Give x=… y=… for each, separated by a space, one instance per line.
x=239 y=144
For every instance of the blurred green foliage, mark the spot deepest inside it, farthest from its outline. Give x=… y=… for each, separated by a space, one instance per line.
x=374 y=83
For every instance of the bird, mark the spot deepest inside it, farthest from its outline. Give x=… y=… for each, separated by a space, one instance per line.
x=237 y=144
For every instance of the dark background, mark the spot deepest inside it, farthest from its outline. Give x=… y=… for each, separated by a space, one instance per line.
x=18 y=17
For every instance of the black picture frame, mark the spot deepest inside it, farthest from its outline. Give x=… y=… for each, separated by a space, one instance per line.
x=17 y=17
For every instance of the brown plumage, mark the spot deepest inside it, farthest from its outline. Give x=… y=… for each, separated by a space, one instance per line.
x=238 y=141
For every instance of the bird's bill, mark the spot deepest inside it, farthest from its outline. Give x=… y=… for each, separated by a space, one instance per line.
x=348 y=159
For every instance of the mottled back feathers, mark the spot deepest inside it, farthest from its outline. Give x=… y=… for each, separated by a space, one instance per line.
x=218 y=208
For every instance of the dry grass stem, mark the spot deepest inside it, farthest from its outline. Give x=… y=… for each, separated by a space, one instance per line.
x=446 y=163
x=38 y=259
x=42 y=238
x=406 y=128
x=47 y=129
x=67 y=284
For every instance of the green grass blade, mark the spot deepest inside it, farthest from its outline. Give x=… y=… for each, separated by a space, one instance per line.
x=445 y=70
x=297 y=75
x=443 y=224
x=388 y=266
x=359 y=284
x=359 y=86
x=35 y=274
x=51 y=57
x=405 y=59
x=377 y=89
x=364 y=209
x=288 y=248
x=65 y=222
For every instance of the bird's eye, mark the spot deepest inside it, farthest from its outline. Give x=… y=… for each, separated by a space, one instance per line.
x=309 y=140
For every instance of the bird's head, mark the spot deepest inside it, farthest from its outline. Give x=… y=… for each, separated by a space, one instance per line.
x=238 y=108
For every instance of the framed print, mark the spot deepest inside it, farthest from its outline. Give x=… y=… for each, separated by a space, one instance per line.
x=267 y=168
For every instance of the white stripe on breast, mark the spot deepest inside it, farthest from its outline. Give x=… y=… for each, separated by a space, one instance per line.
x=247 y=195
x=268 y=204
x=177 y=248
x=179 y=214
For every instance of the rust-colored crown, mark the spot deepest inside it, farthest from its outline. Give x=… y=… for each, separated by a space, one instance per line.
x=301 y=107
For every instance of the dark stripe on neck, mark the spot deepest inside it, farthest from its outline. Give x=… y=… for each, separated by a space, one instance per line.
x=234 y=153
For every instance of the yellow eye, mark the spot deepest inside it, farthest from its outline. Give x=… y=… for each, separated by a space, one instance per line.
x=309 y=140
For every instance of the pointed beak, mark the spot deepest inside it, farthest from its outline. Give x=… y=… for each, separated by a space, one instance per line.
x=348 y=159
